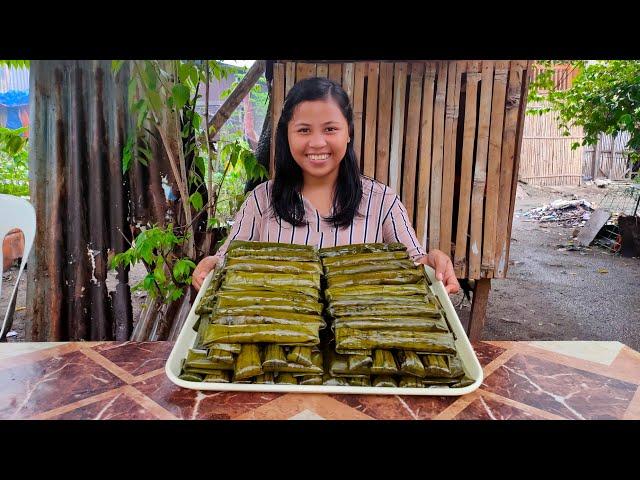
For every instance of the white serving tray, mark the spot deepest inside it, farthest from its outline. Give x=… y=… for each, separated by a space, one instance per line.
x=468 y=357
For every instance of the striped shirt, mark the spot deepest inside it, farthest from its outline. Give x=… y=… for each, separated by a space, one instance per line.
x=381 y=217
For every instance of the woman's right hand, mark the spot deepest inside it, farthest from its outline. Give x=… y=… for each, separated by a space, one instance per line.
x=202 y=270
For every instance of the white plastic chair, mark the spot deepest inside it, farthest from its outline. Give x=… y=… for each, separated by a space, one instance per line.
x=15 y=212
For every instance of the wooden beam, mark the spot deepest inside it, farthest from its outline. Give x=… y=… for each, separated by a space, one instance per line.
x=478 y=308
x=236 y=97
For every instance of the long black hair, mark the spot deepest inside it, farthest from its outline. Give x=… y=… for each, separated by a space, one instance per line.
x=286 y=201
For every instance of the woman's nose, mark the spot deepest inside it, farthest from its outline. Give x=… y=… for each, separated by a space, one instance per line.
x=317 y=140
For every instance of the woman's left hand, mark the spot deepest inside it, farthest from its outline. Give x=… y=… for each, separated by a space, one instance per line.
x=443 y=266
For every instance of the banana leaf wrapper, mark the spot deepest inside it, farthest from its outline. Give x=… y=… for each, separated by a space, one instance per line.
x=301 y=355
x=455 y=366
x=272 y=281
x=284 y=334
x=359 y=381
x=359 y=291
x=286 y=379
x=312 y=293
x=436 y=366
x=218 y=376
x=297 y=305
x=227 y=347
x=427 y=310
x=273 y=246
x=203 y=322
x=414 y=324
x=359 y=301
x=248 y=363
x=191 y=377
x=197 y=360
x=299 y=369
x=432 y=342
x=272 y=266
x=241 y=297
x=464 y=382
x=438 y=381
x=274 y=357
x=221 y=356
x=278 y=306
x=363 y=259
x=384 y=381
x=410 y=382
x=250 y=254
x=355 y=362
x=383 y=363
x=310 y=380
x=286 y=319
x=332 y=381
x=351 y=351
x=358 y=248
x=410 y=364
x=266 y=378
x=339 y=366
x=385 y=277
x=330 y=270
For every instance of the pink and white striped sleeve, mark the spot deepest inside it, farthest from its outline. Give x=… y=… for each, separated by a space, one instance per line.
x=246 y=224
x=396 y=227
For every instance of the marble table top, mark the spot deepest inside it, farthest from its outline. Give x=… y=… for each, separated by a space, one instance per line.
x=116 y=380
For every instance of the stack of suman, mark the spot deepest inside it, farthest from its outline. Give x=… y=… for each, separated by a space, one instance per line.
x=260 y=318
x=389 y=329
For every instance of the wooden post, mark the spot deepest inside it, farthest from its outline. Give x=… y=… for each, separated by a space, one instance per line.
x=595 y=160
x=478 y=308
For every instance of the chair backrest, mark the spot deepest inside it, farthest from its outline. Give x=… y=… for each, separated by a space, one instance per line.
x=15 y=212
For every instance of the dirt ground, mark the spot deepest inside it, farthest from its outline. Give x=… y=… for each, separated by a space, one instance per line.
x=549 y=294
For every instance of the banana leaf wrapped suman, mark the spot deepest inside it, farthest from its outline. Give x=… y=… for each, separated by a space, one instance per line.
x=203 y=322
x=420 y=310
x=299 y=369
x=242 y=306
x=273 y=281
x=218 y=376
x=266 y=378
x=331 y=270
x=355 y=362
x=301 y=355
x=436 y=366
x=227 y=347
x=191 y=377
x=273 y=246
x=353 y=351
x=415 y=324
x=197 y=362
x=433 y=342
x=266 y=310
x=419 y=288
x=280 y=252
x=310 y=380
x=330 y=380
x=359 y=301
x=307 y=334
x=285 y=319
x=248 y=363
x=384 y=381
x=338 y=365
x=357 y=248
x=410 y=364
x=383 y=363
x=464 y=382
x=221 y=356
x=363 y=258
x=272 y=266
x=438 y=381
x=286 y=379
x=455 y=366
x=359 y=381
x=385 y=277
x=273 y=357
x=410 y=382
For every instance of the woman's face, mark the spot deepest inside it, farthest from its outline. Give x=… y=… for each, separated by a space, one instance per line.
x=318 y=135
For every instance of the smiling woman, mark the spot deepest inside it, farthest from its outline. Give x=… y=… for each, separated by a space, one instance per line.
x=318 y=196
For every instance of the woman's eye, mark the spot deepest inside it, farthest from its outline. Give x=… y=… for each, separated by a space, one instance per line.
x=331 y=129
x=303 y=130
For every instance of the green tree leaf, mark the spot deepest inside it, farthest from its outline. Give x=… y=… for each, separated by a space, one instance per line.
x=180 y=94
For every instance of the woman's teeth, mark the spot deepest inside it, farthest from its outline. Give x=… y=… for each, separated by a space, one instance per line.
x=319 y=157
